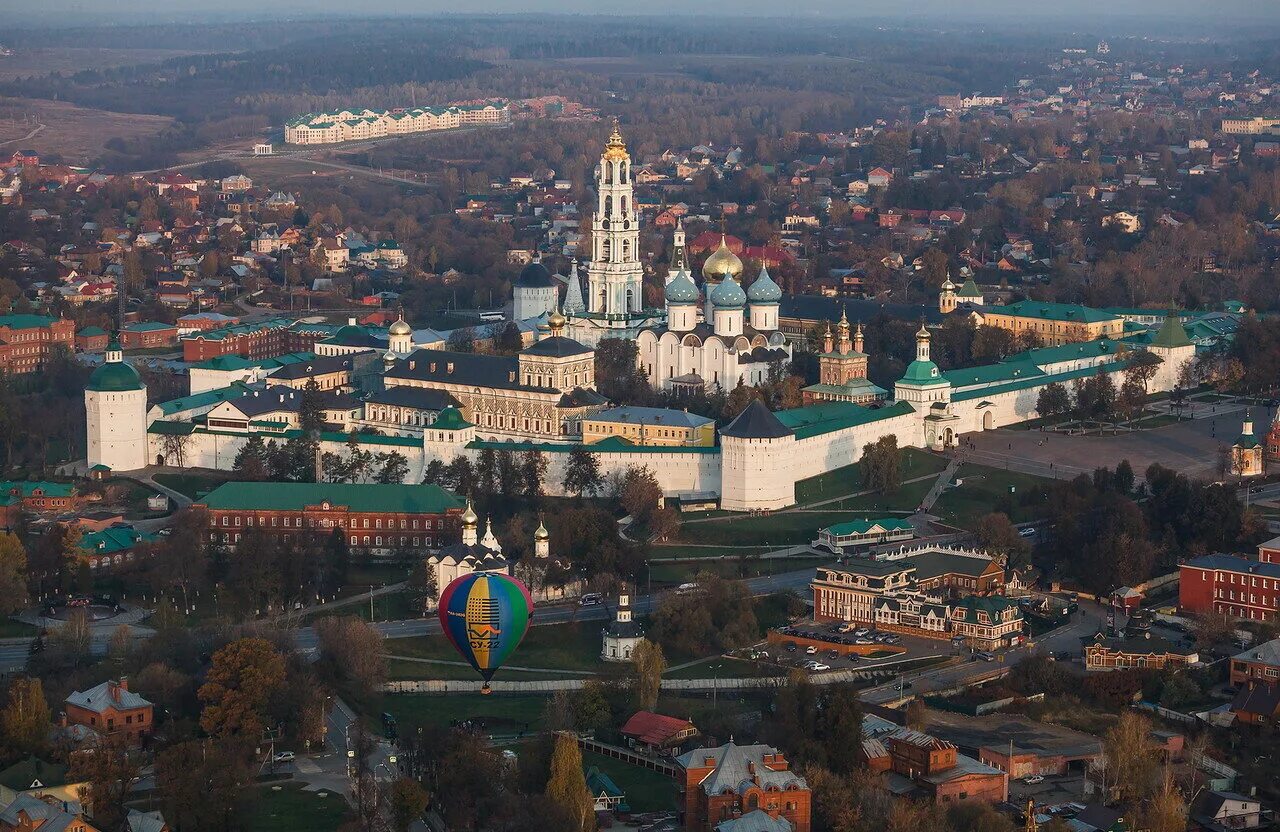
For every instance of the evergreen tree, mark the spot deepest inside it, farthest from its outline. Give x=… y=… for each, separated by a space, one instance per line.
x=436 y=473
x=582 y=472
x=393 y=468
x=533 y=466
x=311 y=412
x=251 y=461
x=25 y=718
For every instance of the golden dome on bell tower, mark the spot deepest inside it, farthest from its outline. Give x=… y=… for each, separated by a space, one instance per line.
x=616 y=149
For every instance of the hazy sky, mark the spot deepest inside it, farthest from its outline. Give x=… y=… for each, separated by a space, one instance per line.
x=1086 y=14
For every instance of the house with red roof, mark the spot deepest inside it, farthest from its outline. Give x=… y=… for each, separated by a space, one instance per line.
x=656 y=733
x=879 y=178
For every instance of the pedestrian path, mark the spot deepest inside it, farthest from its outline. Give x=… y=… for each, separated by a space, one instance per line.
x=419 y=660
x=944 y=479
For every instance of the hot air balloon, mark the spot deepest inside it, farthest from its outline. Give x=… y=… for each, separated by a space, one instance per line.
x=485 y=616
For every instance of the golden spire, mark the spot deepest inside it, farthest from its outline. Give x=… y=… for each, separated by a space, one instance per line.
x=616 y=148
x=844 y=320
x=469 y=517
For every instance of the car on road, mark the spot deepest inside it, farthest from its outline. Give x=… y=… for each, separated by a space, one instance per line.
x=1029 y=531
x=591 y=599
x=815 y=666
x=863 y=640
x=283 y=757
x=986 y=657
x=902 y=685
x=811 y=650
x=790 y=646
x=855 y=658
x=1033 y=779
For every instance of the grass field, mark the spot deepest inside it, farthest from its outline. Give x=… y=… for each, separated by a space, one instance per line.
x=984 y=489
x=677 y=573
x=846 y=480
x=646 y=791
x=661 y=552
x=498 y=712
x=784 y=528
x=193 y=484
x=292 y=810
x=78 y=134
x=558 y=646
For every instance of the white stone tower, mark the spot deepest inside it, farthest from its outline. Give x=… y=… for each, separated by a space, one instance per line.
x=615 y=276
x=115 y=403
x=756 y=458
x=923 y=382
x=679 y=261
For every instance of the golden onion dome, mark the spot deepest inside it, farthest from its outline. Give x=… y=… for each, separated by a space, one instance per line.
x=722 y=263
x=556 y=321
x=616 y=149
x=469 y=517
x=541 y=533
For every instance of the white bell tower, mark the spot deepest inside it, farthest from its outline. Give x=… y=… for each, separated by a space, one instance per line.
x=615 y=276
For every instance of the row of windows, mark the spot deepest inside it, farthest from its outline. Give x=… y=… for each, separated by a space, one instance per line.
x=356 y=540
x=1246 y=598
x=327 y=523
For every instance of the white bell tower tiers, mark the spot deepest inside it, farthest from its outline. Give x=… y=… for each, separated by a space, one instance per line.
x=615 y=276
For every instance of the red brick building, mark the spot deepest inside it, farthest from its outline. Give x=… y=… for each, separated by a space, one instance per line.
x=1257 y=664
x=722 y=784
x=17 y=496
x=147 y=335
x=377 y=518
x=27 y=341
x=1233 y=585
x=111 y=709
x=256 y=341
x=933 y=768
x=92 y=339
x=1145 y=651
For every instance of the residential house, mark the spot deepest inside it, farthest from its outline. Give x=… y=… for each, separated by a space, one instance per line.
x=111 y=709
x=1222 y=811
x=1260 y=664
x=1257 y=705
x=32 y=814
x=36 y=777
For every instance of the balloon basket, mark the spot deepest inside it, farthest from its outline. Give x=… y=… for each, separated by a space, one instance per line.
x=485 y=690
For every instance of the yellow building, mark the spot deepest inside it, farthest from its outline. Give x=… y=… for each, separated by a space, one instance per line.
x=1055 y=323
x=1255 y=126
x=649 y=426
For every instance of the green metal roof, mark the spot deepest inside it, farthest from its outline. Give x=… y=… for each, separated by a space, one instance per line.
x=147 y=326
x=24 y=775
x=91 y=332
x=1040 y=381
x=114 y=377
x=208 y=398
x=604 y=445
x=25 y=321
x=1068 y=352
x=992 y=373
x=115 y=539
x=891 y=524
x=818 y=419
x=1048 y=311
x=294 y=496
x=1172 y=334
x=29 y=487
x=969 y=290
x=224 y=363
x=450 y=418
x=923 y=373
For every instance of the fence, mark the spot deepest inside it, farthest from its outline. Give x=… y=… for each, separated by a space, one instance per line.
x=628 y=756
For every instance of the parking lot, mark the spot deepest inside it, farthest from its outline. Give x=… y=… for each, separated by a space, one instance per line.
x=823 y=646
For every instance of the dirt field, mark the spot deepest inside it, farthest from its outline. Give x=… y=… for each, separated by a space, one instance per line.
x=78 y=134
x=26 y=62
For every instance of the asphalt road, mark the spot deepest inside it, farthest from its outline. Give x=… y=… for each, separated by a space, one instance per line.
x=305 y=637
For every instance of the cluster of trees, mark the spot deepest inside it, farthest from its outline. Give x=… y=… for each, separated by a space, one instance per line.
x=1097 y=397
x=1106 y=538
x=720 y=615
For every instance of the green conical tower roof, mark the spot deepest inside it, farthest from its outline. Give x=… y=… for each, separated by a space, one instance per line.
x=1171 y=334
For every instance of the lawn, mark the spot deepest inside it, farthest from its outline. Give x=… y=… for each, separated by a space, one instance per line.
x=573 y=646
x=985 y=490
x=499 y=713
x=663 y=552
x=905 y=500
x=16 y=629
x=404 y=671
x=721 y=667
x=394 y=606
x=678 y=573
x=292 y=810
x=846 y=480
x=646 y=791
x=784 y=528
x=192 y=484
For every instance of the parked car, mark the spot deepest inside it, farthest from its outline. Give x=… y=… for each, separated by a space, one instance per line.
x=790 y=646
x=591 y=599
x=1029 y=531
x=283 y=757
x=903 y=685
x=1033 y=779
x=987 y=657
x=819 y=666
x=810 y=650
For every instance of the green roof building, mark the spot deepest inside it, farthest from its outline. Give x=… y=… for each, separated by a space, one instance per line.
x=114 y=376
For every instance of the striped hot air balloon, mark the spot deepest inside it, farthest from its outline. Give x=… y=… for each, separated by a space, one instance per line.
x=485 y=616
